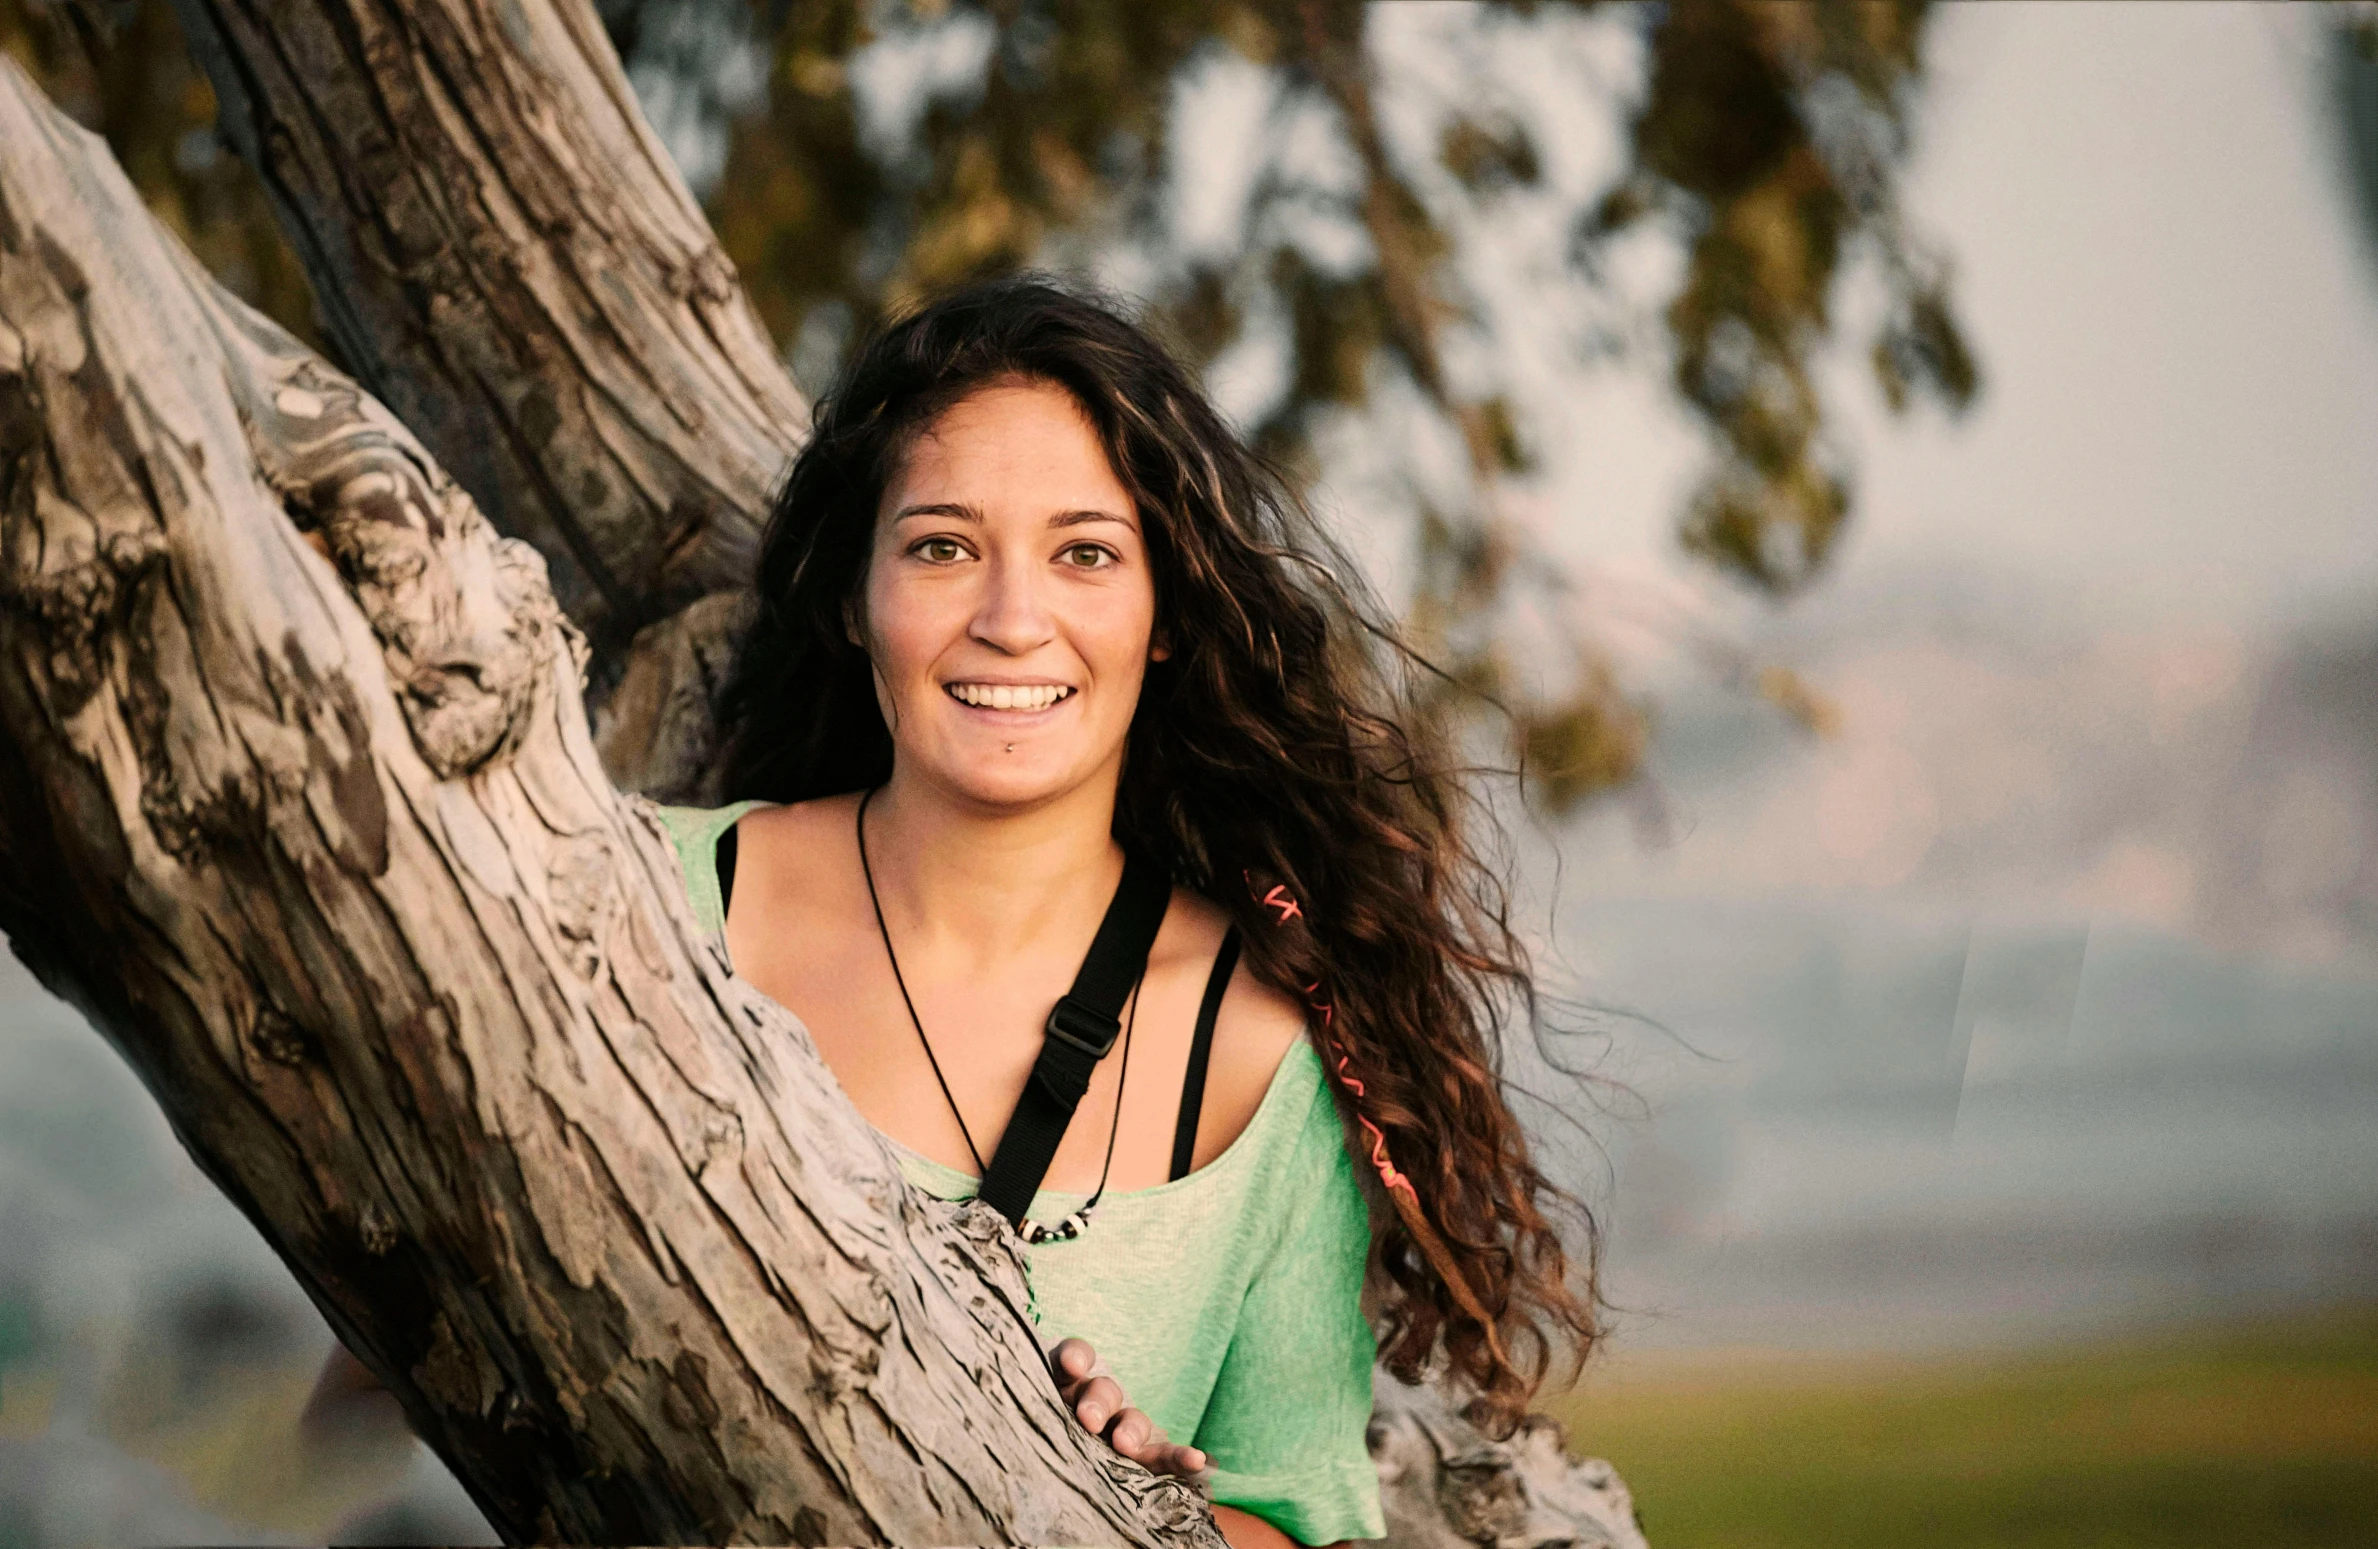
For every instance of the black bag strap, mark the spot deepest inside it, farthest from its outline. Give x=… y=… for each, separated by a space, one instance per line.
x=1081 y=1028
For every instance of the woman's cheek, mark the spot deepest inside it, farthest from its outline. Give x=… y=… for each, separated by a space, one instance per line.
x=908 y=641
x=1121 y=628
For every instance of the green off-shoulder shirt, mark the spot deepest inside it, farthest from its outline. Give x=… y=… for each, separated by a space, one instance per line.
x=1228 y=1301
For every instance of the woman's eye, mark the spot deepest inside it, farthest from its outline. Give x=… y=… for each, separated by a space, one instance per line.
x=1086 y=556
x=938 y=551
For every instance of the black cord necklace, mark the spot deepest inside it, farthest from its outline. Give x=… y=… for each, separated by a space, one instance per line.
x=1033 y=1232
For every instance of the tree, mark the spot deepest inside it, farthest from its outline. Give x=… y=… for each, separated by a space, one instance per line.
x=2352 y=43
x=314 y=830
x=297 y=796
x=1762 y=144
x=299 y=803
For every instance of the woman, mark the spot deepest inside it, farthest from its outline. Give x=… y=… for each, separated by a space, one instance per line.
x=1027 y=609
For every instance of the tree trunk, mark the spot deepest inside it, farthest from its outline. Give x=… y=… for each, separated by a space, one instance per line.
x=412 y=983
x=503 y=252
x=298 y=803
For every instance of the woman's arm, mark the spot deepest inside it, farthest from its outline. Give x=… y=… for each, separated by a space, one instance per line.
x=1245 y=1530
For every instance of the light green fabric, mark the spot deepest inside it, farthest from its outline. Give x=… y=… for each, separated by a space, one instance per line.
x=1228 y=1302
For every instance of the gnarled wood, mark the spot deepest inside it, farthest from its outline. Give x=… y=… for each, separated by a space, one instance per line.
x=656 y=730
x=507 y=257
x=502 y=249
x=298 y=802
x=1445 y=1485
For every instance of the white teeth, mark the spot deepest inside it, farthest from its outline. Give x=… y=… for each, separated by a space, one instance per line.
x=1009 y=696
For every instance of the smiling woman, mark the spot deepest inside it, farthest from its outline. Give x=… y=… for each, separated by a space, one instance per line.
x=1033 y=622
x=1006 y=611
x=1052 y=684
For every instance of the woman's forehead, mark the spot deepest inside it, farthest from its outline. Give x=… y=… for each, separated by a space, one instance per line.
x=1018 y=449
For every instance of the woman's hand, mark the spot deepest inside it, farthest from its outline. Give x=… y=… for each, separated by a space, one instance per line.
x=1096 y=1399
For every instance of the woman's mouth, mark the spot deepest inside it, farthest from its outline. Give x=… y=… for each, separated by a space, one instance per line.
x=1008 y=696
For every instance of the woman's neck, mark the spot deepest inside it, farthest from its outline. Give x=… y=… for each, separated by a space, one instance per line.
x=970 y=884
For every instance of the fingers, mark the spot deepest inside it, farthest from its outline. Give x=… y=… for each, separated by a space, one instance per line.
x=1088 y=1386
x=1135 y=1435
x=1086 y=1383
x=1178 y=1461
x=1071 y=1361
x=1143 y=1441
x=1099 y=1402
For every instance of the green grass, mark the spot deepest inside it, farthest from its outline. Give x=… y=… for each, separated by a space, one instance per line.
x=2262 y=1436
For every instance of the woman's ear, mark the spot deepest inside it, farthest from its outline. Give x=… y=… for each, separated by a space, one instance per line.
x=1159 y=648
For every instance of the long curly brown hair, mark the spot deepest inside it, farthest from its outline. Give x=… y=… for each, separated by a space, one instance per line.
x=1277 y=762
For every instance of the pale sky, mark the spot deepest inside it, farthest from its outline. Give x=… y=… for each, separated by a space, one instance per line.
x=2179 y=322
x=2049 y=625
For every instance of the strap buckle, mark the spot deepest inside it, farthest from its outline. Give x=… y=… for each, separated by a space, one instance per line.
x=1082 y=1027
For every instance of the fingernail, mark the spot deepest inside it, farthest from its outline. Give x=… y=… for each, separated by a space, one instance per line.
x=1093 y=1416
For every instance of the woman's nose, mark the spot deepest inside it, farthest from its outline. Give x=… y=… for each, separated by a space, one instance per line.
x=1014 y=616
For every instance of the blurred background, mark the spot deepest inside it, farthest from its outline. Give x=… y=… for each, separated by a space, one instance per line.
x=1902 y=483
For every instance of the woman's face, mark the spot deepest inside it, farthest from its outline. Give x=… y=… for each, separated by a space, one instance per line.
x=1008 y=605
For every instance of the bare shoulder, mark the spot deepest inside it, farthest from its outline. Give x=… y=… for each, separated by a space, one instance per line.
x=1257 y=1023
x=1254 y=1029
x=799 y=824
x=795 y=872
x=805 y=840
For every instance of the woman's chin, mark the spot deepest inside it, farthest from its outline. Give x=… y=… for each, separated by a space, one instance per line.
x=1018 y=781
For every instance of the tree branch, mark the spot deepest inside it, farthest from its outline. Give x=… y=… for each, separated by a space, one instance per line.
x=505 y=254
x=322 y=844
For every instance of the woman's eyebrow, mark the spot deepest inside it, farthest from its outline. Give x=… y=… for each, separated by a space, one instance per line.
x=1077 y=518
x=951 y=508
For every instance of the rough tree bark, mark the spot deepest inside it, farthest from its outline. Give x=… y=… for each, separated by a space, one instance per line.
x=320 y=840
x=1444 y=1485
x=505 y=254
